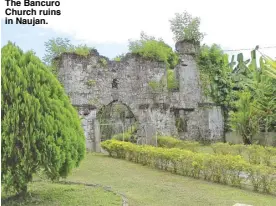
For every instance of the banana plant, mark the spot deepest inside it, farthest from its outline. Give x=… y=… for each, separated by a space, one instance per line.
x=269 y=65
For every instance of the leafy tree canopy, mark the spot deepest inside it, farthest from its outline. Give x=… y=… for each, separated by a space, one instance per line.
x=269 y=66
x=255 y=107
x=40 y=129
x=186 y=27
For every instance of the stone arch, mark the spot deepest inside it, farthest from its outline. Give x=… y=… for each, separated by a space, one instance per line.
x=131 y=108
x=114 y=118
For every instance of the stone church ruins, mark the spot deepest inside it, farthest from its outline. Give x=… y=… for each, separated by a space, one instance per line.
x=94 y=82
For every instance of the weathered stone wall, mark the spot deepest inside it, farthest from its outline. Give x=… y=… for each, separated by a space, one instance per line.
x=94 y=81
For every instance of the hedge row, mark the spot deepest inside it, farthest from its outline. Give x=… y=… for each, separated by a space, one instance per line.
x=225 y=169
x=254 y=154
x=171 y=142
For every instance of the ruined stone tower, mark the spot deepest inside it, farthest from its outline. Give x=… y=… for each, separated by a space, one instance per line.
x=93 y=82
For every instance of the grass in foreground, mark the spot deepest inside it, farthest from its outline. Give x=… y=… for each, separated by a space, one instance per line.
x=51 y=194
x=146 y=186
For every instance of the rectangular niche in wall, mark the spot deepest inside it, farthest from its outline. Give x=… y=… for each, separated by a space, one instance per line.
x=173 y=80
x=115 y=83
x=180 y=120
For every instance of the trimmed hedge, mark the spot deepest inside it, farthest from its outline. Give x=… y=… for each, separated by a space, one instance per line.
x=255 y=154
x=225 y=169
x=171 y=142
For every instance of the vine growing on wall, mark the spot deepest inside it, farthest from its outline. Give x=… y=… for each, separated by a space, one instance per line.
x=215 y=74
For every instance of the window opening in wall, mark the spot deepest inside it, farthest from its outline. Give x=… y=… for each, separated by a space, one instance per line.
x=115 y=84
x=173 y=80
x=181 y=119
x=86 y=112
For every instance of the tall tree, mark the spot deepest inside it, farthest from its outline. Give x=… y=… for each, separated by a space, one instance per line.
x=186 y=27
x=40 y=129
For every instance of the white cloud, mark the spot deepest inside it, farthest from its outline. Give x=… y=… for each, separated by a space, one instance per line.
x=232 y=24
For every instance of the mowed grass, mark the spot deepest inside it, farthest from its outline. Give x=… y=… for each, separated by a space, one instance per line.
x=146 y=186
x=52 y=194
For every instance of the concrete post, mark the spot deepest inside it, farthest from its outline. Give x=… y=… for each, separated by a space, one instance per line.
x=97 y=135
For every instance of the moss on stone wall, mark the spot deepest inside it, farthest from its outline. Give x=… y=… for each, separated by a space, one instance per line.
x=91 y=82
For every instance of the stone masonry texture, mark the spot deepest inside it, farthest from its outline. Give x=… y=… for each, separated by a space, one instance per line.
x=94 y=81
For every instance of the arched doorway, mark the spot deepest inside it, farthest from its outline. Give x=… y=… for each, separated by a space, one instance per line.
x=117 y=121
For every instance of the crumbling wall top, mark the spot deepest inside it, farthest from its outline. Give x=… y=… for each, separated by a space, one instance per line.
x=187 y=47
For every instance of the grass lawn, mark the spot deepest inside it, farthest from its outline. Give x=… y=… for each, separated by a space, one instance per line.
x=51 y=194
x=146 y=186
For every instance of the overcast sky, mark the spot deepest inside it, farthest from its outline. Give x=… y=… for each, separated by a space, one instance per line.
x=108 y=24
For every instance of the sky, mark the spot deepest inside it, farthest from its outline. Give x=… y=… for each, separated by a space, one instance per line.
x=107 y=25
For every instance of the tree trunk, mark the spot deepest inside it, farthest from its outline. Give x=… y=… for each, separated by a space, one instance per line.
x=225 y=121
x=224 y=136
x=23 y=192
x=246 y=140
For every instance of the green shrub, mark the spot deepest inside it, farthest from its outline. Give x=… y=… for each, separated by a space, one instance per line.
x=122 y=137
x=150 y=48
x=128 y=136
x=224 y=169
x=103 y=62
x=262 y=178
x=40 y=128
x=82 y=50
x=91 y=82
x=167 y=141
x=172 y=81
x=155 y=86
x=157 y=50
x=221 y=148
x=254 y=154
x=118 y=58
x=172 y=142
